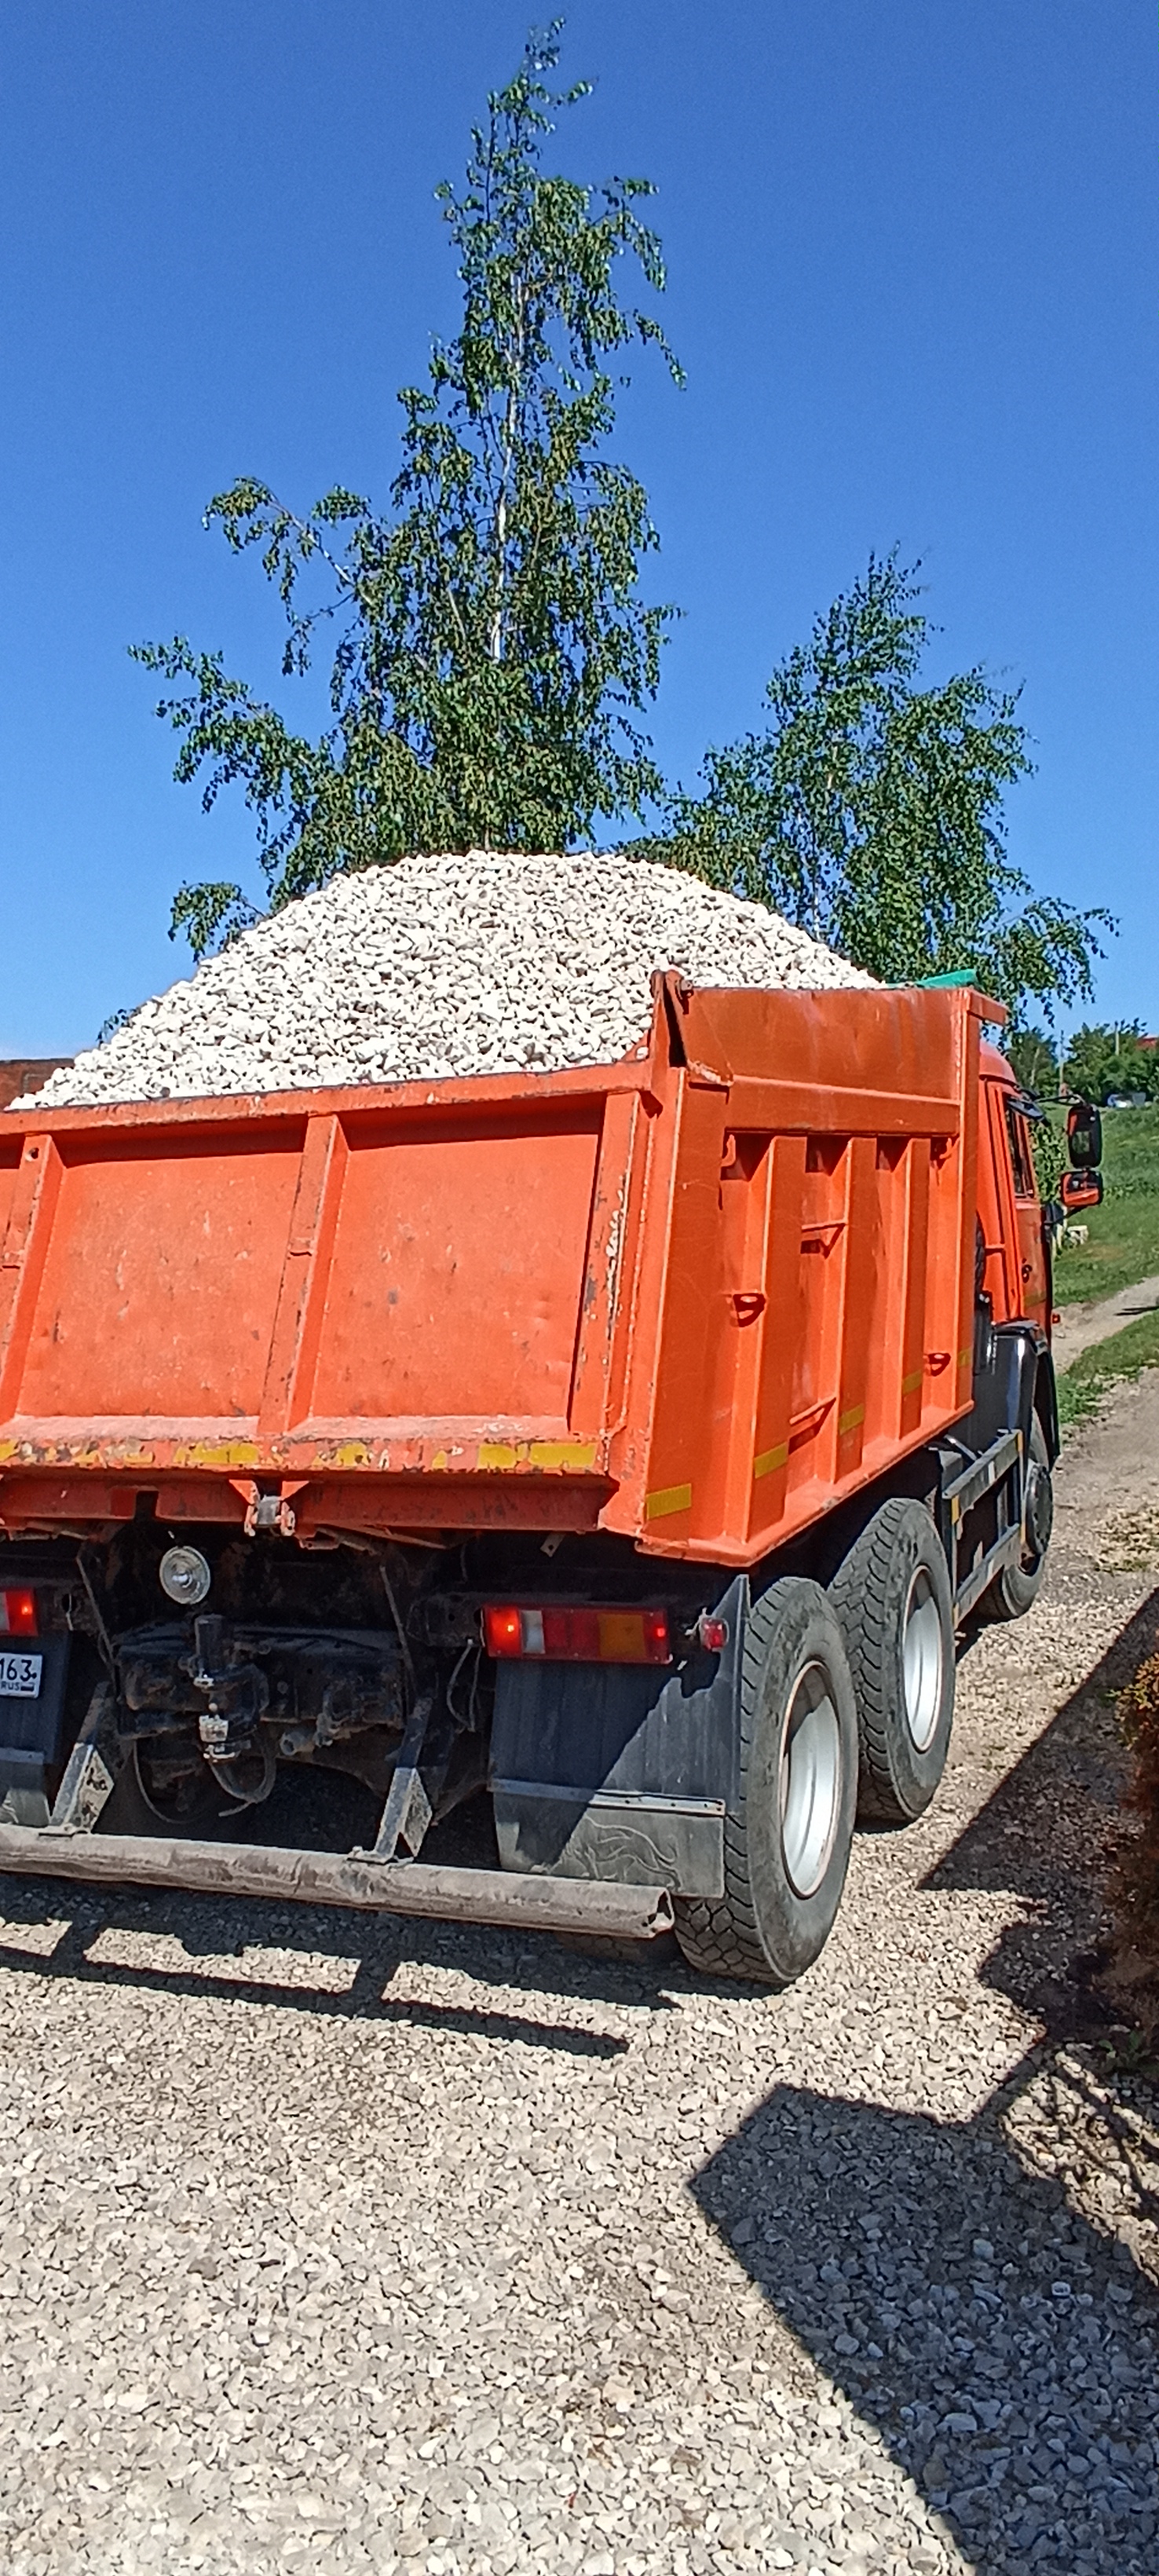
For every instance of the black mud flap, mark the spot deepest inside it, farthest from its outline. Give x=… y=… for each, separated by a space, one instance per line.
x=30 y=1726
x=620 y=1772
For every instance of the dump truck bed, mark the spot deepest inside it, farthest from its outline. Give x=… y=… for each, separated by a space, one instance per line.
x=695 y=1298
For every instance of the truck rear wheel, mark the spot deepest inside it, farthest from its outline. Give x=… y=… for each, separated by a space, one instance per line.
x=892 y=1597
x=787 y=1836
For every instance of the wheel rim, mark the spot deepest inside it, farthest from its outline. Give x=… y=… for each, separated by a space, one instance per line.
x=923 y=1654
x=810 y=1780
x=1038 y=1513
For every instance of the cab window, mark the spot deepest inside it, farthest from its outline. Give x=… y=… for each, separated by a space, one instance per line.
x=1021 y=1158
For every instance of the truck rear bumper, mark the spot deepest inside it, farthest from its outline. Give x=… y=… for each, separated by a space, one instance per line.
x=531 y=1902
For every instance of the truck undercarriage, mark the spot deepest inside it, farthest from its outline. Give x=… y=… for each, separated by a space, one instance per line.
x=600 y=1786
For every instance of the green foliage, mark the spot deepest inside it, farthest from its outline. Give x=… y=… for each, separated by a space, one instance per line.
x=870 y=809
x=1048 y=1142
x=1102 y=1061
x=210 y=913
x=116 y=1020
x=1035 y=1061
x=1036 y=1065
x=492 y=657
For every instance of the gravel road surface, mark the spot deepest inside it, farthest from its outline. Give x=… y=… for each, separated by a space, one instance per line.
x=332 y=2250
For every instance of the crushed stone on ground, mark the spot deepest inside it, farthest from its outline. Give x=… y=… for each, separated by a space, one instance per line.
x=398 y=2248
x=485 y=963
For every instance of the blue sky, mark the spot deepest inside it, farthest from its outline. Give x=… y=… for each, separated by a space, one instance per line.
x=913 y=266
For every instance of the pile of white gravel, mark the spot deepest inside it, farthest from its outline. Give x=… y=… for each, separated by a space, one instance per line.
x=484 y=962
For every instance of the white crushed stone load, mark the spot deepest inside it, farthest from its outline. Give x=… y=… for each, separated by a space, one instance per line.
x=488 y=962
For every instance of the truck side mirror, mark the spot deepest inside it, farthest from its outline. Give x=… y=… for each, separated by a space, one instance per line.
x=1080 y=1190
x=1084 y=1137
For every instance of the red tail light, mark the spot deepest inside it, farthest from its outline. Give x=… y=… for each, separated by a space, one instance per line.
x=18 y=1614
x=504 y=1632
x=579 y=1636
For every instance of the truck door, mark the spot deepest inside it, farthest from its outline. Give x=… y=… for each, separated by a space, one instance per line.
x=1009 y=1215
x=1030 y=1250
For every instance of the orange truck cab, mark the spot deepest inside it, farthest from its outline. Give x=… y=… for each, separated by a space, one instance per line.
x=607 y=1458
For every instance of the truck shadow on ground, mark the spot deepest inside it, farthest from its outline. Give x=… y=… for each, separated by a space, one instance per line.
x=362 y=2000
x=367 y=1952
x=1002 y=2347
x=347 y=1963
x=1046 y=1835
x=983 y=2291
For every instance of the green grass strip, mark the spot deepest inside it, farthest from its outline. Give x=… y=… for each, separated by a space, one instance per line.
x=1123 y=1235
x=1124 y=1355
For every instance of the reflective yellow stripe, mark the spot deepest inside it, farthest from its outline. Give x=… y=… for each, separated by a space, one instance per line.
x=671 y=1498
x=580 y=1455
x=910 y=1384
x=199 y=1453
x=770 y=1459
x=850 y=1421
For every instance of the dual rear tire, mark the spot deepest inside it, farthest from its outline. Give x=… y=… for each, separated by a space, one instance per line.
x=846 y=1704
x=892 y=1597
x=788 y=1831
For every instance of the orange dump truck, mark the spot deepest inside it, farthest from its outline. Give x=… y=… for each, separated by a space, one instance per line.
x=590 y=1469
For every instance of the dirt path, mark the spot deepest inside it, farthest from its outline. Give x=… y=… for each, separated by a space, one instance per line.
x=1082 y=1326
x=418 y=2248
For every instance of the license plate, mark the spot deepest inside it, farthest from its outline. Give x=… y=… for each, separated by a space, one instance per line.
x=20 y=1676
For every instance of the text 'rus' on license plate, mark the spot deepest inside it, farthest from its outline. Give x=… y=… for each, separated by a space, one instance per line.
x=20 y=1676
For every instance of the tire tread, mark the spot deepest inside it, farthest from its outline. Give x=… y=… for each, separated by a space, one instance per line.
x=875 y=1802
x=718 y=1935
